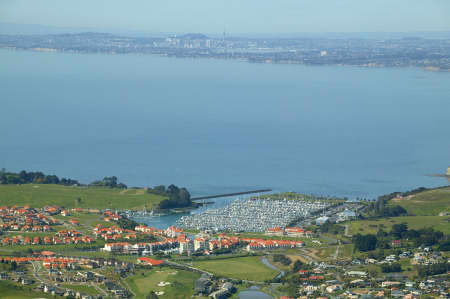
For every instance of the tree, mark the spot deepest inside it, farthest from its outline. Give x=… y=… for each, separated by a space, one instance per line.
x=444 y=245
x=298 y=265
x=365 y=242
x=178 y=198
x=381 y=233
x=3 y=179
x=126 y=223
x=281 y=258
x=395 y=267
x=399 y=229
x=13 y=266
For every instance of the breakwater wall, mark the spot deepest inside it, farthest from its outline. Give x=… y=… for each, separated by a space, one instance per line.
x=231 y=194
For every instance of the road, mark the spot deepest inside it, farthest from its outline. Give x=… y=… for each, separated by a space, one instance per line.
x=99 y=289
x=346 y=231
x=189 y=268
x=127 y=286
x=336 y=254
x=36 y=268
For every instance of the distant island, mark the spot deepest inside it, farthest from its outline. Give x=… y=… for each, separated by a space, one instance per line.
x=429 y=54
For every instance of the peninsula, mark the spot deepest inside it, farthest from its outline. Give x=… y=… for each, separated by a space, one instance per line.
x=429 y=53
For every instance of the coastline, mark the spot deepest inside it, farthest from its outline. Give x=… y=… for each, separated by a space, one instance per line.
x=433 y=69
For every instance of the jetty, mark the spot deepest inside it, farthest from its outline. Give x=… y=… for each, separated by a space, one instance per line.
x=445 y=175
x=231 y=194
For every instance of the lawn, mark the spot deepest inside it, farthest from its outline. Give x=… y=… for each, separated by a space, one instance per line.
x=56 y=248
x=426 y=203
x=87 y=289
x=245 y=268
x=345 y=252
x=39 y=195
x=415 y=222
x=181 y=283
x=9 y=290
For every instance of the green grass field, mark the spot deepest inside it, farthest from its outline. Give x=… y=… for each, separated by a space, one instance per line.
x=329 y=252
x=245 y=268
x=39 y=195
x=9 y=290
x=426 y=203
x=62 y=248
x=415 y=222
x=181 y=283
x=87 y=289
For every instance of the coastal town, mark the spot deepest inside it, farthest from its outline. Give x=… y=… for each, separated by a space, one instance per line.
x=280 y=245
x=420 y=51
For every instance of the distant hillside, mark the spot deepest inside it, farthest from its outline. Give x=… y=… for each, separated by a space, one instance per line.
x=426 y=203
x=39 y=195
x=193 y=36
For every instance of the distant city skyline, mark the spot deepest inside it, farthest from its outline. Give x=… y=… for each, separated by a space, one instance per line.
x=238 y=17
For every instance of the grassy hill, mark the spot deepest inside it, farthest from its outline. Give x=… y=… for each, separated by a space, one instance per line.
x=39 y=195
x=423 y=208
x=427 y=203
x=9 y=290
x=414 y=222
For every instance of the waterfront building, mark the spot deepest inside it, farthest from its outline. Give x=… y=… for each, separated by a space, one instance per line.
x=275 y=231
x=173 y=231
x=295 y=231
x=186 y=246
x=149 y=261
x=321 y=220
x=199 y=244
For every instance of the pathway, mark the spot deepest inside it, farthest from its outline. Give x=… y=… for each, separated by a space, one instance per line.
x=189 y=268
x=99 y=289
x=346 y=231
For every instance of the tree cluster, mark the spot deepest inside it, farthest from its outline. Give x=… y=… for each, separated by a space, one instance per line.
x=126 y=223
x=389 y=268
x=381 y=209
x=444 y=245
x=281 y=258
x=298 y=265
x=33 y=177
x=365 y=242
x=333 y=228
x=435 y=269
x=177 y=197
x=382 y=240
x=110 y=182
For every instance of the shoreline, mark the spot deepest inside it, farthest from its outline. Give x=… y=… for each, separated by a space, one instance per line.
x=433 y=69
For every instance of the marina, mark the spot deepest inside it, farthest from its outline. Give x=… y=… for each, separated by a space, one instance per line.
x=252 y=215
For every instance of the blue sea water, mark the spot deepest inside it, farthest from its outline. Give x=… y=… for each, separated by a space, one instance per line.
x=221 y=126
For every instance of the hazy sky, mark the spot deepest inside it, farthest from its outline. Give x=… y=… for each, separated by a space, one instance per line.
x=237 y=16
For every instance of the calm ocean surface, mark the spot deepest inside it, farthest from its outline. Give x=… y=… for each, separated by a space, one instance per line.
x=222 y=126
